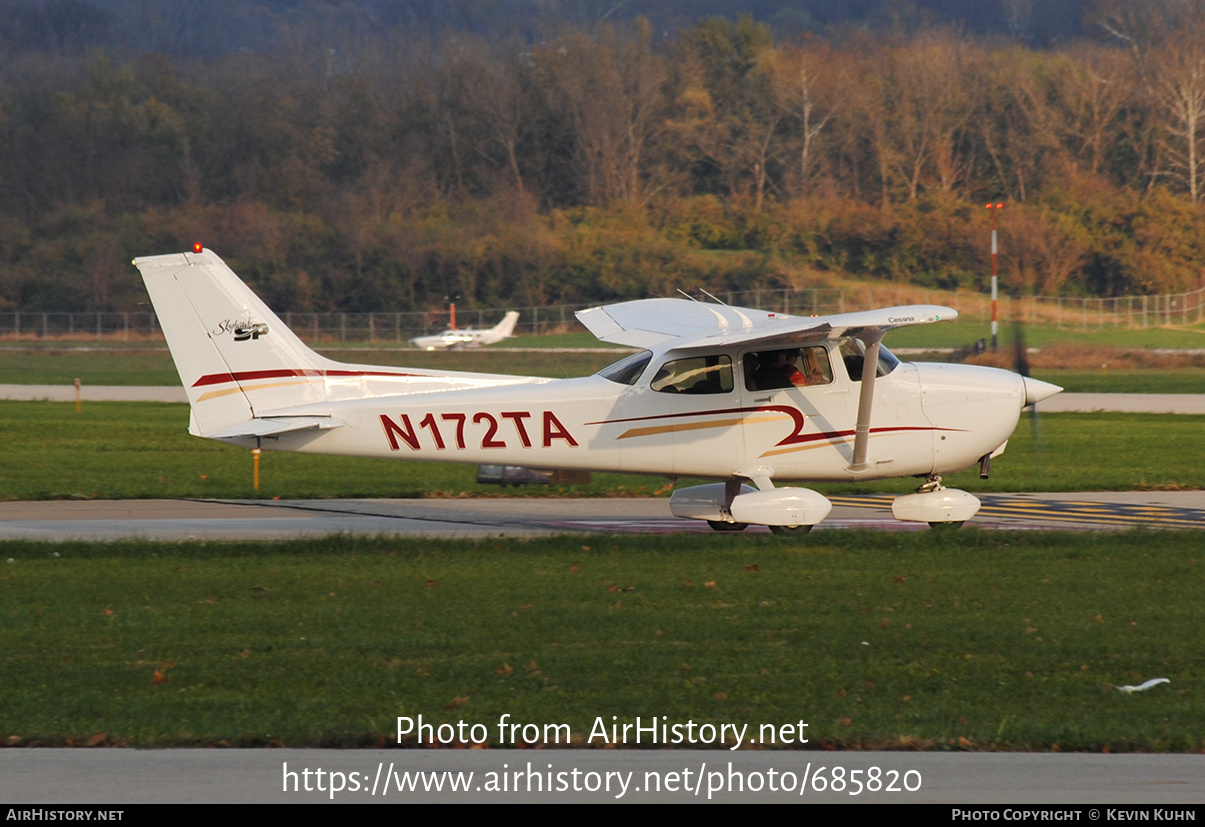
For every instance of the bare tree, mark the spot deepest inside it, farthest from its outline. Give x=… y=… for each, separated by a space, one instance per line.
x=1096 y=87
x=930 y=106
x=797 y=76
x=1179 y=80
x=610 y=90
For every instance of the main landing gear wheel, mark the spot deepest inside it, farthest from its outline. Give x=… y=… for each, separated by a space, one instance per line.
x=954 y=526
x=789 y=529
x=720 y=525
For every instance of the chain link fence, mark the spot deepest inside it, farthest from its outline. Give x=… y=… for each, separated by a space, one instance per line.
x=1068 y=313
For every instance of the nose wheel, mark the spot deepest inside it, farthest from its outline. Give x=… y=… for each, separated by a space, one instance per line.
x=786 y=530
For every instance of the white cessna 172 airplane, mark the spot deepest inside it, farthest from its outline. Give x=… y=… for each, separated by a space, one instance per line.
x=755 y=400
x=467 y=337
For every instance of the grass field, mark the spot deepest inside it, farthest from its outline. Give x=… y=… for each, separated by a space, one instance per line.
x=1173 y=380
x=121 y=450
x=973 y=640
x=966 y=331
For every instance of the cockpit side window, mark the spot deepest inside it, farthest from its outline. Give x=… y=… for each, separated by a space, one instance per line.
x=696 y=375
x=626 y=371
x=789 y=368
x=852 y=354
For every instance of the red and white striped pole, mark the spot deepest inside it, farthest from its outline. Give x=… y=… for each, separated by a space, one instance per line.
x=993 y=209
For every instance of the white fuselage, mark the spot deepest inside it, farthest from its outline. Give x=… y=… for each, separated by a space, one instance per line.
x=927 y=418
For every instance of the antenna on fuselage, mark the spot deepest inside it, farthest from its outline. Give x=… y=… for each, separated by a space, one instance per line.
x=713 y=298
x=684 y=293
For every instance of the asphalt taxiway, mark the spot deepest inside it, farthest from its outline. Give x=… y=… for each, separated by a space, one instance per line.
x=180 y=520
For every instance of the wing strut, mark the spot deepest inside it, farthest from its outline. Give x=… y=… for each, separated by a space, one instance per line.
x=870 y=338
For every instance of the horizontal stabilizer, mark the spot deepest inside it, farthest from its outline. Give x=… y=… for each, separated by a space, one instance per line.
x=276 y=425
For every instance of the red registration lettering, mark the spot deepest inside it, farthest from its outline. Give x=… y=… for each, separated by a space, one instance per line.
x=517 y=417
x=402 y=430
x=553 y=429
x=428 y=422
x=405 y=431
x=459 y=420
x=491 y=430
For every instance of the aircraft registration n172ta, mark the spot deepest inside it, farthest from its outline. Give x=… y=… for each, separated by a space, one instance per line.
x=757 y=401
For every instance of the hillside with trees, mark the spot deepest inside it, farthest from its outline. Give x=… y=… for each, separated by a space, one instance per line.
x=388 y=164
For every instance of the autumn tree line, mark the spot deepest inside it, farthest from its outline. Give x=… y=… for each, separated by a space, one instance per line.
x=606 y=162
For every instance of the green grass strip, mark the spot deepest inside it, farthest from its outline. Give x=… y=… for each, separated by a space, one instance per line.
x=967 y=640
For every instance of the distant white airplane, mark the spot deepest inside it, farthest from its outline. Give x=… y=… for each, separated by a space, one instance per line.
x=450 y=339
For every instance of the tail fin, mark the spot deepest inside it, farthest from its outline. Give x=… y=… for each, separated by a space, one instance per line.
x=506 y=328
x=221 y=337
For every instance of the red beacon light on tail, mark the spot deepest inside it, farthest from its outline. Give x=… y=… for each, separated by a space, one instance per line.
x=197 y=247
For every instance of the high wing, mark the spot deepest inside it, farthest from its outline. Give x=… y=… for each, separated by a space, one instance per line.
x=688 y=325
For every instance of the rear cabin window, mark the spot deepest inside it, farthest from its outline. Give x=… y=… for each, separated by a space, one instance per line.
x=697 y=375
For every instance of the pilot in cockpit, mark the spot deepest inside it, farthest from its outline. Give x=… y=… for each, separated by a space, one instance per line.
x=777 y=369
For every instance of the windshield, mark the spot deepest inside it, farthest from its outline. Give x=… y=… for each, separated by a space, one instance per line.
x=852 y=351
x=627 y=370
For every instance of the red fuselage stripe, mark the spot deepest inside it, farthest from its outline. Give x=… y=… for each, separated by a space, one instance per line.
x=251 y=375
